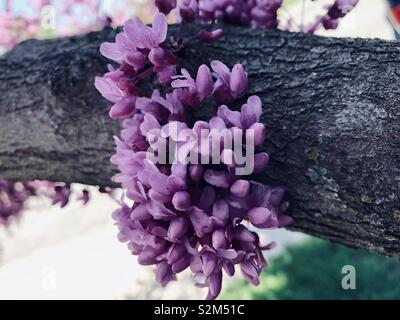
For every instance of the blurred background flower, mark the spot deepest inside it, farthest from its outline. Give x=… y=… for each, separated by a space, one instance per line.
x=24 y=19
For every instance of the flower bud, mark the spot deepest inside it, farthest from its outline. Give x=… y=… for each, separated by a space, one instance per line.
x=240 y=188
x=259 y=215
x=177 y=228
x=238 y=81
x=260 y=162
x=181 y=200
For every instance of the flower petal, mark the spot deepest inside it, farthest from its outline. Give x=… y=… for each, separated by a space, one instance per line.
x=177 y=228
x=229 y=116
x=181 y=200
x=160 y=27
x=238 y=81
x=222 y=71
x=123 y=109
x=216 y=178
x=221 y=210
x=204 y=82
x=111 y=51
x=214 y=283
x=259 y=215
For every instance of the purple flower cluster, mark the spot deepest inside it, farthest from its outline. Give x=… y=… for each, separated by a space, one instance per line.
x=255 y=13
x=141 y=50
x=14 y=195
x=187 y=214
x=195 y=214
x=12 y=199
x=58 y=193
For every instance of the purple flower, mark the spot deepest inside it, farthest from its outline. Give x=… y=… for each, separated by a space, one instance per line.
x=145 y=37
x=165 y=73
x=214 y=283
x=210 y=36
x=85 y=197
x=124 y=105
x=248 y=116
x=173 y=103
x=131 y=133
x=256 y=13
x=177 y=228
x=264 y=14
x=61 y=195
x=251 y=13
x=250 y=270
x=240 y=188
x=13 y=197
x=109 y=89
x=336 y=11
x=194 y=91
x=165 y=6
x=188 y=10
x=181 y=201
x=230 y=85
x=140 y=51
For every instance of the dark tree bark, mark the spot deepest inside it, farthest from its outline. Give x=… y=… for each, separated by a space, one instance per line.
x=331 y=106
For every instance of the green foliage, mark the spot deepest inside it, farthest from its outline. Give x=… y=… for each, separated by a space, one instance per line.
x=312 y=271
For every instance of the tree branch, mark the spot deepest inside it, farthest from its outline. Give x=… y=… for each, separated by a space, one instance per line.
x=331 y=106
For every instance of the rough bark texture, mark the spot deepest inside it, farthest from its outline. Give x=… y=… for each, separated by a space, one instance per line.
x=331 y=106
